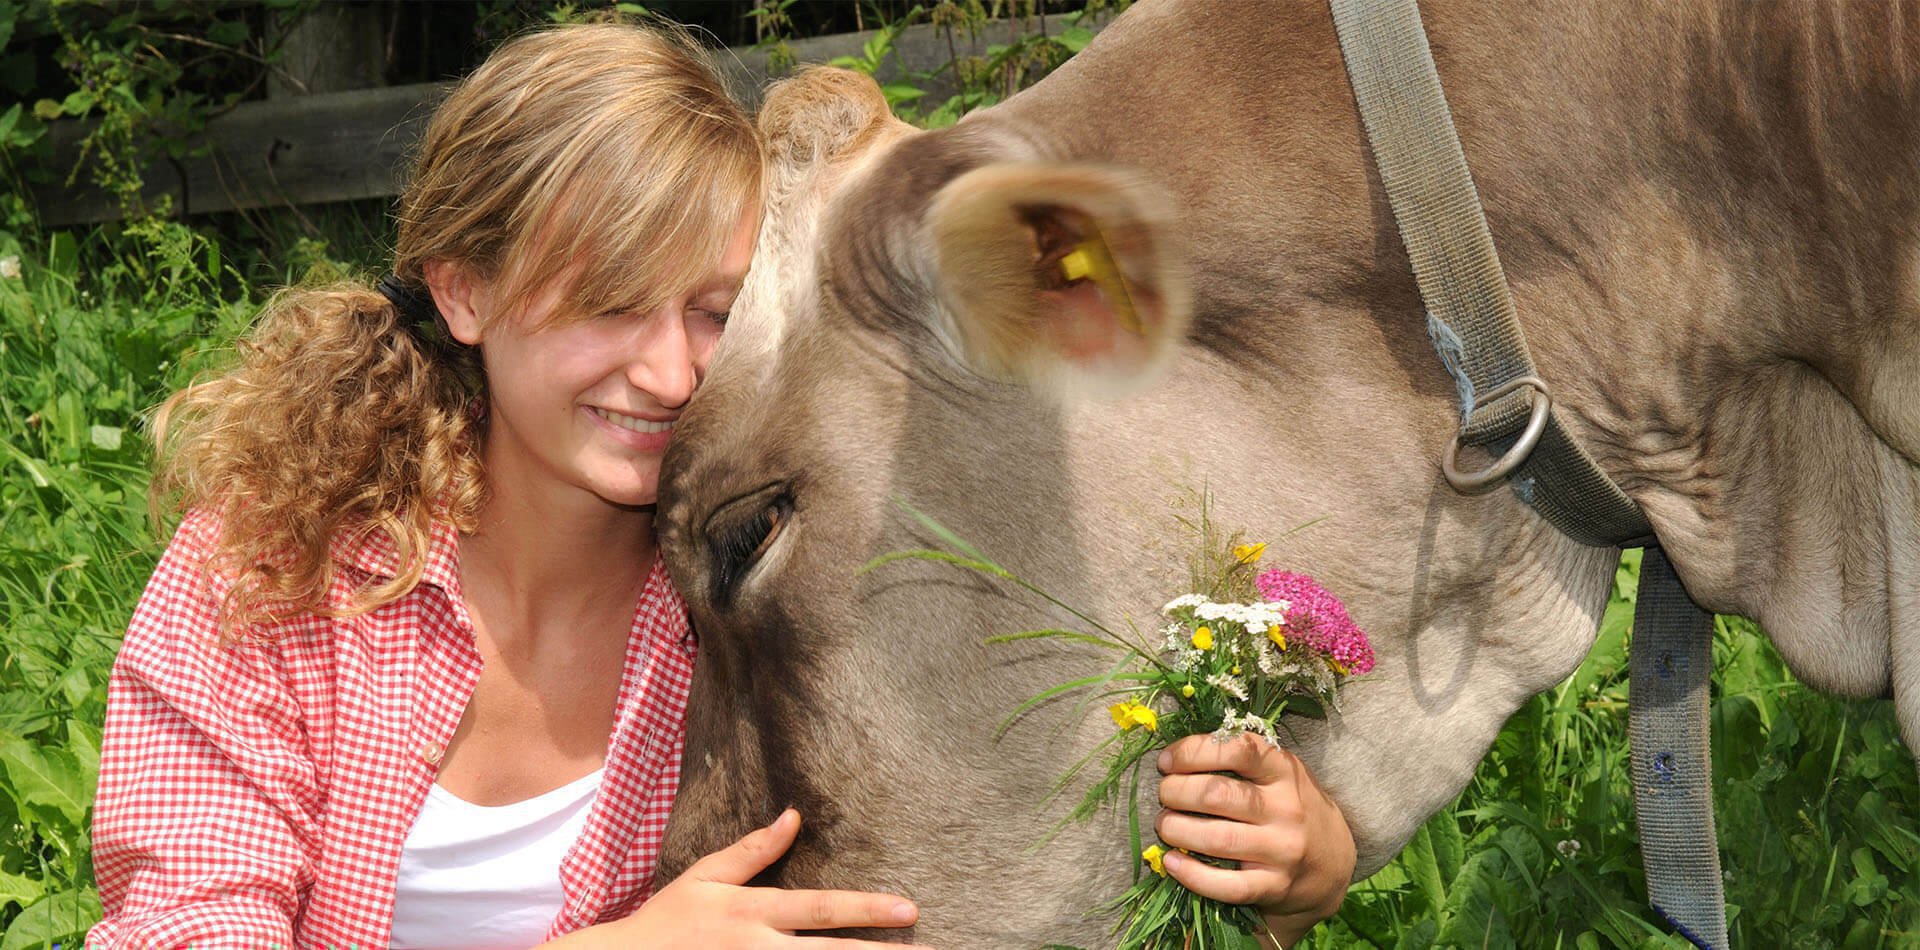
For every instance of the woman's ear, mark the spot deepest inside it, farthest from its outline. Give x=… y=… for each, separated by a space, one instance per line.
x=458 y=296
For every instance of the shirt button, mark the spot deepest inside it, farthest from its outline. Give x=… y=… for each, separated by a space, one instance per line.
x=431 y=752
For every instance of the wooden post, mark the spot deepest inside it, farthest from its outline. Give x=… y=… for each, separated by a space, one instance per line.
x=332 y=47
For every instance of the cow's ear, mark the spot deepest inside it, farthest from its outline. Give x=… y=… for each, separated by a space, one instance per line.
x=1068 y=277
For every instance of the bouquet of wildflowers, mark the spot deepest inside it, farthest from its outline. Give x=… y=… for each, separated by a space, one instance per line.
x=1238 y=653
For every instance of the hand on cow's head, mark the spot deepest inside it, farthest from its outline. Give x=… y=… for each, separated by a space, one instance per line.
x=1066 y=277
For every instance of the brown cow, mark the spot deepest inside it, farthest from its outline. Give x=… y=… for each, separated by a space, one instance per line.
x=1704 y=211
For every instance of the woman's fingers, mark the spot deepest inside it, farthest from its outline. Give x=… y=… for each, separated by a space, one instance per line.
x=738 y=862
x=1248 y=885
x=825 y=910
x=1222 y=796
x=1252 y=757
x=1239 y=841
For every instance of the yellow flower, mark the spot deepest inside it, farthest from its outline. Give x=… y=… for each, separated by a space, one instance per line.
x=1154 y=856
x=1187 y=690
x=1146 y=718
x=1203 y=639
x=1249 y=553
x=1236 y=669
x=1278 y=635
x=1130 y=714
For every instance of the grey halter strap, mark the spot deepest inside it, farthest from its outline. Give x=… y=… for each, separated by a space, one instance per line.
x=1506 y=407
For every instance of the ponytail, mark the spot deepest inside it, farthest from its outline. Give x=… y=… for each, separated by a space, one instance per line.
x=341 y=417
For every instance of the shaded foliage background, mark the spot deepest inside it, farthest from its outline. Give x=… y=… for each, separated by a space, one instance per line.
x=1816 y=797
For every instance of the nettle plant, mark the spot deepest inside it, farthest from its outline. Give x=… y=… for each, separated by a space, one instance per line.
x=144 y=78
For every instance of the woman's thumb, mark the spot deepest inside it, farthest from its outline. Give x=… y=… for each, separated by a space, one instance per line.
x=738 y=862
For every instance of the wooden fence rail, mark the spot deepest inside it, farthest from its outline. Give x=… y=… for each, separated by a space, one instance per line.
x=348 y=145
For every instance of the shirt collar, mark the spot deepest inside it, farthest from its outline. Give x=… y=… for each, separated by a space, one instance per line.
x=374 y=553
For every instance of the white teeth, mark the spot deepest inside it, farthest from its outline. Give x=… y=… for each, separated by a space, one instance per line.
x=631 y=422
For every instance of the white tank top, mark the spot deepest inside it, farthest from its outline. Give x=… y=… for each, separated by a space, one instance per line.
x=474 y=877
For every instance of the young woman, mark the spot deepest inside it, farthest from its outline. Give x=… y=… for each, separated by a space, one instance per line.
x=410 y=672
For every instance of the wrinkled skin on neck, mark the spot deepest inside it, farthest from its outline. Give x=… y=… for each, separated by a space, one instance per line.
x=1704 y=217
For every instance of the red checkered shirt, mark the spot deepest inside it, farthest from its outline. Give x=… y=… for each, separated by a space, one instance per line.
x=259 y=793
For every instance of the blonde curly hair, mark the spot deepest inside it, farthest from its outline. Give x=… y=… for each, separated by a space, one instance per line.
x=607 y=156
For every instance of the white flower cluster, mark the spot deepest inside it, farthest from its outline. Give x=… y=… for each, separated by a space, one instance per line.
x=10 y=267
x=1323 y=679
x=1179 y=650
x=1231 y=685
x=1184 y=600
x=1236 y=722
x=1256 y=616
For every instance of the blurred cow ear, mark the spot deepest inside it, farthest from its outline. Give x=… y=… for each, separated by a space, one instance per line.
x=1066 y=277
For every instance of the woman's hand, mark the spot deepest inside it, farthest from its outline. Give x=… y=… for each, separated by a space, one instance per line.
x=1295 y=852
x=709 y=907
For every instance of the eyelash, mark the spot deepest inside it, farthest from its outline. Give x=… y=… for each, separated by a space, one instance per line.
x=717 y=316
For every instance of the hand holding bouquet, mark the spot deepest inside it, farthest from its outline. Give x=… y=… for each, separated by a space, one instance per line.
x=1234 y=657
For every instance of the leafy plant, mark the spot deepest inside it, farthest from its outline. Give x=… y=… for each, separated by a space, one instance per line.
x=81 y=356
x=1816 y=801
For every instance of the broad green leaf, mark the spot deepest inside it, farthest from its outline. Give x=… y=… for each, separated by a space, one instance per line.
x=1422 y=865
x=44 y=776
x=106 y=437
x=19 y=889
x=83 y=741
x=1420 y=936
x=1074 y=38
x=55 y=919
x=898 y=92
x=78 y=102
x=1449 y=849
x=38 y=470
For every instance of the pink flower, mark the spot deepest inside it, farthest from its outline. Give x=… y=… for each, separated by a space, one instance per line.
x=1318 y=619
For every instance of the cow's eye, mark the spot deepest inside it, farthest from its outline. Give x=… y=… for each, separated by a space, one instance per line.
x=740 y=532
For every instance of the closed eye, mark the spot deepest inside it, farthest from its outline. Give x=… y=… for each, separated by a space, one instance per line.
x=739 y=534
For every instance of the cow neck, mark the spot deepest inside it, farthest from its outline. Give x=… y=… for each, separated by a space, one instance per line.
x=1507 y=406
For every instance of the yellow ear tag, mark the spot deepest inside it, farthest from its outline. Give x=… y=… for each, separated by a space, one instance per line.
x=1075 y=265
x=1090 y=260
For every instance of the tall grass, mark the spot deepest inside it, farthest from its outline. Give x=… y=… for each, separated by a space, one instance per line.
x=82 y=354
x=1815 y=798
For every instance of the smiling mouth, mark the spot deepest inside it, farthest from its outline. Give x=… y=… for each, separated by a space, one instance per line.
x=634 y=423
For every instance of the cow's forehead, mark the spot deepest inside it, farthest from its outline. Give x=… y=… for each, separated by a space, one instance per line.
x=782 y=289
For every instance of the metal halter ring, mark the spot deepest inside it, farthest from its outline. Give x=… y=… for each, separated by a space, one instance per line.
x=1473 y=483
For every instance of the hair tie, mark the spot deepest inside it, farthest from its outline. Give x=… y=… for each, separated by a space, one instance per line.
x=414 y=303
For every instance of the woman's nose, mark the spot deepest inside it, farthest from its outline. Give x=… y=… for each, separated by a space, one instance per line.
x=663 y=364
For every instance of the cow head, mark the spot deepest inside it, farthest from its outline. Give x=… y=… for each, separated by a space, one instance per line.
x=907 y=334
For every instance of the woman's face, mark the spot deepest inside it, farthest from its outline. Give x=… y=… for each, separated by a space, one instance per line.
x=590 y=405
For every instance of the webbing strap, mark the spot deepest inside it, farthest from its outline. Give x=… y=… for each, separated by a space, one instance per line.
x=1667 y=725
x=1469 y=310
x=1471 y=320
